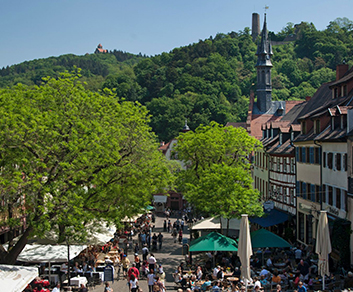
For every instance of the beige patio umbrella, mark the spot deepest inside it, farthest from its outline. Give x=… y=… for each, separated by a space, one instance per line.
x=323 y=246
x=244 y=248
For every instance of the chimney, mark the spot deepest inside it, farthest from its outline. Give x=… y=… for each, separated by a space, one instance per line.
x=307 y=98
x=341 y=70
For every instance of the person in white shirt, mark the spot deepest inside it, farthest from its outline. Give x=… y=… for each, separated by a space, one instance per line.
x=56 y=288
x=150 y=280
x=152 y=262
x=215 y=272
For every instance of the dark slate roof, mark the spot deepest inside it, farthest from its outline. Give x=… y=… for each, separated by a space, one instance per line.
x=292 y=115
x=322 y=100
x=332 y=135
x=284 y=148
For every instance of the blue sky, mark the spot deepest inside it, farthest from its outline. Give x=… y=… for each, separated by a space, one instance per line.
x=32 y=29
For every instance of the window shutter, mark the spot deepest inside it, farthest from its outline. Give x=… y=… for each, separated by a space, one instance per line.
x=297 y=187
x=304 y=190
x=312 y=191
x=303 y=154
x=311 y=153
x=297 y=153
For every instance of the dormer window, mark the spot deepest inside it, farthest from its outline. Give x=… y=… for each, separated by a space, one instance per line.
x=267 y=133
x=280 y=139
x=335 y=94
x=292 y=136
x=344 y=90
x=303 y=124
x=271 y=133
x=317 y=126
x=332 y=123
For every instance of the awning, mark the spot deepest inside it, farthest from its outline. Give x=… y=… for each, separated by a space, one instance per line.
x=49 y=253
x=270 y=218
x=160 y=199
x=214 y=223
x=16 y=278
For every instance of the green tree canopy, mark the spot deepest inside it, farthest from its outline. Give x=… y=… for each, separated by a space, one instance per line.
x=69 y=156
x=217 y=179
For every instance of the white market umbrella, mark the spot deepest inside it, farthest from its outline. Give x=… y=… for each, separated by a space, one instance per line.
x=16 y=278
x=323 y=246
x=244 y=248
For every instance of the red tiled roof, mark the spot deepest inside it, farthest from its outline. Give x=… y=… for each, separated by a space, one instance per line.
x=257 y=121
x=296 y=127
x=237 y=125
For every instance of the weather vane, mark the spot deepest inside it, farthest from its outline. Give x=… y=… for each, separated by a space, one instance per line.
x=266 y=7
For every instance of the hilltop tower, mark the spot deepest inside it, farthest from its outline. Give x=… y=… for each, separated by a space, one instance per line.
x=264 y=65
x=255 y=26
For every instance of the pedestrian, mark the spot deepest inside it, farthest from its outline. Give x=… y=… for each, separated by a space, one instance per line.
x=150 y=280
x=165 y=225
x=107 y=288
x=174 y=234
x=182 y=225
x=151 y=262
x=160 y=240
x=133 y=283
x=180 y=236
x=169 y=226
x=136 y=249
x=57 y=288
x=154 y=242
x=125 y=262
x=145 y=252
x=137 y=262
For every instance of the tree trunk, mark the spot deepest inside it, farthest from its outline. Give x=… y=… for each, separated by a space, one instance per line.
x=10 y=257
x=227 y=232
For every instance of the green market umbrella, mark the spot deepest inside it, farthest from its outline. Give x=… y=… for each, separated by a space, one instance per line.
x=213 y=241
x=263 y=238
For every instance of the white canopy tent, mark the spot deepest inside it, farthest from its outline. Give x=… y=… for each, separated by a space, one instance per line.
x=215 y=224
x=49 y=253
x=16 y=278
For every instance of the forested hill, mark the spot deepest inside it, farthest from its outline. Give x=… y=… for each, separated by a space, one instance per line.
x=207 y=80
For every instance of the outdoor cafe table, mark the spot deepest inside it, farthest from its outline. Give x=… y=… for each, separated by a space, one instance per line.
x=233 y=279
x=226 y=275
x=77 y=281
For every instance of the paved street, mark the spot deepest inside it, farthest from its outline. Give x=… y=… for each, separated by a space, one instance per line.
x=170 y=257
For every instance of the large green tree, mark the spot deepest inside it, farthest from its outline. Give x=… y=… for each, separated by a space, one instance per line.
x=69 y=156
x=217 y=179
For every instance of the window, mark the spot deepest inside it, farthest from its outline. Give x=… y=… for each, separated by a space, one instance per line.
x=316 y=155
x=292 y=196
x=280 y=139
x=330 y=160
x=338 y=161
x=317 y=126
x=344 y=168
x=344 y=200
x=317 y=194
x=292 y=136
x=292 y=165
x=344 y=91
x=303 y=154
x=300 y=158
x=330 y=195
x=338 y=198
x=303 y=128
x=336 y=92
x=324 y=159
x=311 y=154
x=324 y=195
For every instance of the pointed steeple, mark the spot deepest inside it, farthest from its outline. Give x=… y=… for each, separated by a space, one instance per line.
x=264 y=65
x=186 y=127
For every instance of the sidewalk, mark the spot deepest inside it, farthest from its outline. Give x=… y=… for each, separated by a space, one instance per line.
x=170 y=257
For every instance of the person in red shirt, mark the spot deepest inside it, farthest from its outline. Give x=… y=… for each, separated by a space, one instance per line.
x=133 y=270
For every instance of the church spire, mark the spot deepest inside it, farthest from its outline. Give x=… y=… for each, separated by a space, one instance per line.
x=264 y=65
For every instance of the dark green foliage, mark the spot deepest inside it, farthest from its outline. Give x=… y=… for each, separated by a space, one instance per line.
x=208 y=80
